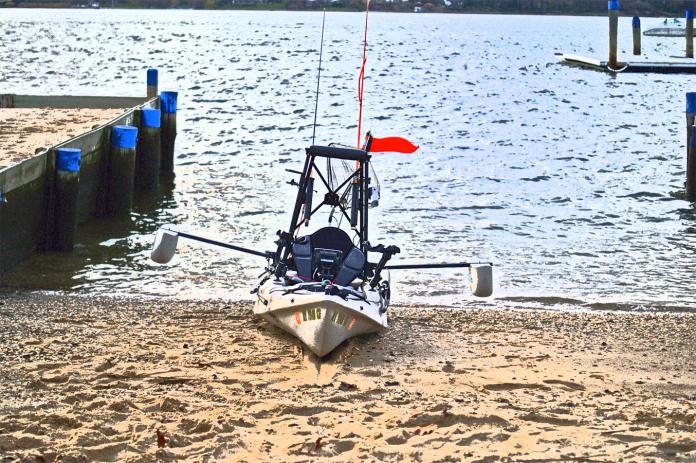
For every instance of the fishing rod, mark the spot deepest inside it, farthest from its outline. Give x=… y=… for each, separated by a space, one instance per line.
x=309 y=189
x=316 y=100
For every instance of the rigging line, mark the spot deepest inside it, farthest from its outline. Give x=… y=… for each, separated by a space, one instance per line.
x=307 y=205
x=361 y=76
x=321 y=51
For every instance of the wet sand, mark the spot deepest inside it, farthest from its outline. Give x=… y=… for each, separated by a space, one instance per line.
x=26 y=131
x=122 y=380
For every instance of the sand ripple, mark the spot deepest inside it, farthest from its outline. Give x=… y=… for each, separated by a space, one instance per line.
x=125 y=380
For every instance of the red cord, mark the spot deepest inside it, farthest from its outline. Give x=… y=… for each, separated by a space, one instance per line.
x=361 y=76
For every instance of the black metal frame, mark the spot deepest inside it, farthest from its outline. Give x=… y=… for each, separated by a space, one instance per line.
x=331 y=198
x=360 y=177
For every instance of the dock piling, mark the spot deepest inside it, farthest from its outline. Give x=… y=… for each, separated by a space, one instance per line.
x=689 y=34
x=66 y=187
x=690 y=142
x=691 y=169
x=168 y=131
x=152 y=79
x=149 y=150
x=636 y=35
x=121 y=169
x=613 y=7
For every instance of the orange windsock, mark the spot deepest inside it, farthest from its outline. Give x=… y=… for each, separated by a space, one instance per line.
x=392 y=145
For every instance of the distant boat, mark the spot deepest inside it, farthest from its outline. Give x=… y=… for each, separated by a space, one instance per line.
x=95 y=5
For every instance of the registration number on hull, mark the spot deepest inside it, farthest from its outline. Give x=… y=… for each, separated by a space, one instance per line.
x=314 y=313
x=305 y=315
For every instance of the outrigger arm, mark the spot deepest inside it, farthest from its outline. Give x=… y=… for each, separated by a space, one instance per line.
x=168 y=237
x=430 y=266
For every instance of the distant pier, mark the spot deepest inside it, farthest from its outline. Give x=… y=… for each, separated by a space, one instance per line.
x=631 y=66
x=614 y=65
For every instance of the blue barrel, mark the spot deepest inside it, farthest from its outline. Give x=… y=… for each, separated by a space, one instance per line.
x=68 y=159
x=124 y=136
x=168 y=102
x=691 y=102
x=150 y=118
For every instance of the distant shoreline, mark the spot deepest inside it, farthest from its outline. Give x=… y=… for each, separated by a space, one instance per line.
x=294 y=5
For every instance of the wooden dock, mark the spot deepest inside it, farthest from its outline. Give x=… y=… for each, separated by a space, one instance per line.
x=688 y=67
x=46 y=193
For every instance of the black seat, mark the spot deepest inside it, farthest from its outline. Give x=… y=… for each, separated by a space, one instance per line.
x=310 y=256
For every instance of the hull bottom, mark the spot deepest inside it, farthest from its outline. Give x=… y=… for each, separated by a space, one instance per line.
x=322 y=322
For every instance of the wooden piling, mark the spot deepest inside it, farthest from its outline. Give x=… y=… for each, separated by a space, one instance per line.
x=168 y=131
x=121 y=170
x=636 y=35
x=149 y=151
x=67 y=184
x=151 y=83
x=690 y=143
x=691 y=169
x=689 y=34
x=613 y=7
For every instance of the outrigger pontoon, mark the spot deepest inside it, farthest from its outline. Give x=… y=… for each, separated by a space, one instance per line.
x=321 y=287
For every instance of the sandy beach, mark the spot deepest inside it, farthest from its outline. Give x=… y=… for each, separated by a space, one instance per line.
x=24 y=131
x=88 y=379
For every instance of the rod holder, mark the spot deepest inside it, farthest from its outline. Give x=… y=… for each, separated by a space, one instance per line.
x=309 y=193
x=354 y=204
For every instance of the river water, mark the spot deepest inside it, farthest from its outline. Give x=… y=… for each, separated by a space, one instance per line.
x=564 y=178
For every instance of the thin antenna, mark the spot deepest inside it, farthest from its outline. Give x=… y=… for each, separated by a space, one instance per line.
x=321 y=51
x=361 y=77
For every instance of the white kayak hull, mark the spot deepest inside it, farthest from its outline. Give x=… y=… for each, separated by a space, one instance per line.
x=321 y=321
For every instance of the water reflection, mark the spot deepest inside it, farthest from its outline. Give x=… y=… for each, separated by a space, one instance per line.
x=107 y=244
x=560 y=176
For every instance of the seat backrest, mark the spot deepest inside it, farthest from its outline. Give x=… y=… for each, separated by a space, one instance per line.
x=352 y=263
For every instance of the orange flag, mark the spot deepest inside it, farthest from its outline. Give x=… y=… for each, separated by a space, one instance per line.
x=392 y=145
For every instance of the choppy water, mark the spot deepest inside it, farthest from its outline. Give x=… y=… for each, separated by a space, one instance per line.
x=562 y=177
